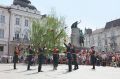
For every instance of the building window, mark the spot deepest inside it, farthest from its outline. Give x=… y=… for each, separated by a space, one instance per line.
x=105 y=35
x=113 y=33
x=2 y=19
x=93 y=41
x=17 y=36
x=1 y=33
x=26 y=22
x=26 y=37
x=105 y=41
x=17 y=21
x=1 y=48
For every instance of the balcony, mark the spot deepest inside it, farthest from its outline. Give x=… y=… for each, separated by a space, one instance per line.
x=21 y=40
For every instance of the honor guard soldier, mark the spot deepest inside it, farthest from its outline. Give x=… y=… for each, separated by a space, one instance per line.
x=30 y=54
x=15 y=57
x=74 y=57
x=69 y=56
x=40 y=59
x=93 y=58
x=55 y=58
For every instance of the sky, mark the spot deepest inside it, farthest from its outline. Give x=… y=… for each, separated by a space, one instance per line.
x=93 y=13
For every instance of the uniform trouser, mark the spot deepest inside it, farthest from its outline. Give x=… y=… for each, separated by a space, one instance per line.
x=93 y=65
x=93 y=61
x=55 y=65
x=14 y=65
x=29 y=61
x=75 y=65
x=70 y=65
x=28 y=68
x=15 y=61
x=39 y=67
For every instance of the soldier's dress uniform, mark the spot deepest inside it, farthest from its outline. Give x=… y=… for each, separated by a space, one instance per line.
x=69 y=57
x=40 y=61
x=75 y=61
x=15 y=57
x=30 y=58
x=93 y=59
x=55 y=58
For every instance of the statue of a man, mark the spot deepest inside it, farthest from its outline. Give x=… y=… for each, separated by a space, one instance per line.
x=74 y=25
x=81 y=38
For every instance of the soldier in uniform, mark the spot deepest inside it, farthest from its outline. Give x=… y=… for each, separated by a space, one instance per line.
x=69 y=56
x=30 y=51
x=40 y=59
x=15 y=57
x=74 y=58
x=93 y=58
x=55 y=58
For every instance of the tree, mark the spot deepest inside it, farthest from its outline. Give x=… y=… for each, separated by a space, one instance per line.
x=48 y=32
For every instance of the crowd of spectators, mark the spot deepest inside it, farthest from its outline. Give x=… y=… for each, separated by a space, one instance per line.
x=83 y=58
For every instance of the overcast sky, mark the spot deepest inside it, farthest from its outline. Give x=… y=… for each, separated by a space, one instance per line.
x=92 y=13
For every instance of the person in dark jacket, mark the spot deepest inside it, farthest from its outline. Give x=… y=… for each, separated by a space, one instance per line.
x=69 y=56
x=55 y=58
x=40 y=59
x=30 y=51
x=15 y=57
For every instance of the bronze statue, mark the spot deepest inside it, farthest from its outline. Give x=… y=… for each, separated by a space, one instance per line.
x=74 y=25
x=81 y=38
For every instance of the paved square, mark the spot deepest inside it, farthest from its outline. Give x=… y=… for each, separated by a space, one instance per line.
x=84 y=72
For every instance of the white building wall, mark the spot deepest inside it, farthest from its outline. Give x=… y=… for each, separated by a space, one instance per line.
x=10 y=17
x=4 y=26
x=101 y=39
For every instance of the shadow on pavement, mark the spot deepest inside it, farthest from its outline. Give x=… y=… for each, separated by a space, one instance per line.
x=52 y=70
x=26 y=70
x=7 y=70
x=33 y=73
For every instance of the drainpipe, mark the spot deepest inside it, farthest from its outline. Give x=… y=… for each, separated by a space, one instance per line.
x=9 y=32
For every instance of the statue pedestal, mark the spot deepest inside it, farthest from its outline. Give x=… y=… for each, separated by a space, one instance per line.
x=75 y=36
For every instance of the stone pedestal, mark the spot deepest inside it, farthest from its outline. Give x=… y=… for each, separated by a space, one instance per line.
x=75 y=36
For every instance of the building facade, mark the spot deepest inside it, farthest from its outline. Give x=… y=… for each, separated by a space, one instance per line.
x=104 y=39
x=15 y=24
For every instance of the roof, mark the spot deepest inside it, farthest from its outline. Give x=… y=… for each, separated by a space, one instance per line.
x=98 y=31
x=88 y=31
x=113 y=23
x=5 y=7
x=24 y=3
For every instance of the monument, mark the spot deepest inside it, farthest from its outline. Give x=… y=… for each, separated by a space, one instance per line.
x=77 y=37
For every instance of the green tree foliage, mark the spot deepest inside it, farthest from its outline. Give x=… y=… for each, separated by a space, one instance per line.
x=48 y=32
